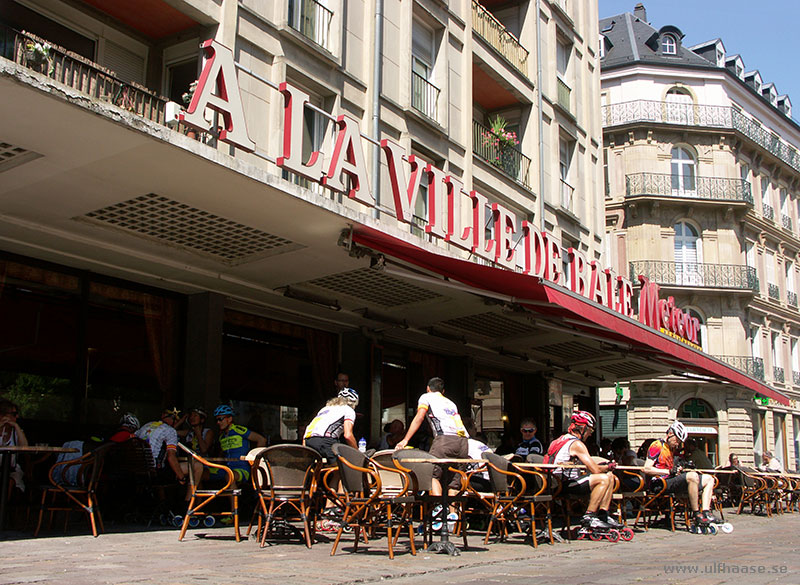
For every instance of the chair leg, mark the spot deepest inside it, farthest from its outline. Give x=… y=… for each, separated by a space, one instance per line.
x=236 y=517
x=186 y=518
x=41 y=514
x=389 y=530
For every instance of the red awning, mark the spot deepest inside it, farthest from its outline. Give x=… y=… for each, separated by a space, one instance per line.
x=545 y=298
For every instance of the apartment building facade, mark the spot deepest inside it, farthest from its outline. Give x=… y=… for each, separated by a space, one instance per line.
x=701 y=178
x=158 y=252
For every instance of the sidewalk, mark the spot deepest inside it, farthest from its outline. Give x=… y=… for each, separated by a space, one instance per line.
x=759 y=551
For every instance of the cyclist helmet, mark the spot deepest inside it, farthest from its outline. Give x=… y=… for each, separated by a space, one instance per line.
x=200 y=410
x=678 y=430
x=349 y=394
x=583 y=418
x=129 y=420
x=223 y=410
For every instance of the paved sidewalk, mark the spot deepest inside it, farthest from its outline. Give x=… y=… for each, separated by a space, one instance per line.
x=760 y=551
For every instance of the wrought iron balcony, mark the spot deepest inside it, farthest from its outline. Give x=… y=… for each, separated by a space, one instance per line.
x=80 y=74
x=424 y=96
x=505 y=157
x=564 y=94
x=751 y=366
x=312 y=20
x=786 y=220
x=777 y=374
x=774 y=291
x=796 y=378
x=700 y=115
x=731 y=276
x=769 y=211
x=495 y=33
x=791 y=298
x=668 y=185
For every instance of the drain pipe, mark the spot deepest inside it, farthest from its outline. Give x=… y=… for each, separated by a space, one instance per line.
x=377 y=74
x=539 y=104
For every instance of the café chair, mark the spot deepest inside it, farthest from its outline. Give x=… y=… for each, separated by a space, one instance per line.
x=202 y=497
x=79 y=494
x=367 y=505
x=285 y=480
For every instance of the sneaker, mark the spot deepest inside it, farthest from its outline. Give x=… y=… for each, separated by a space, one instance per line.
x=610 y=520
x=436 y=515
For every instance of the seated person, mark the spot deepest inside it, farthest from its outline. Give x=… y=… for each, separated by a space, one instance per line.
x=235 y=442
x=697 y=457
x=333 y=422
x=530 y=445
x=163 y=441
x=598 y=479
x=196 y=435
x=128 y=425
x=395 y=431
x=12 y=435
x=770 y=463
x=662 y=462
x=624 y=455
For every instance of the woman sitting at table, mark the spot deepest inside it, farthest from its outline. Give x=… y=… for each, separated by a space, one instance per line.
x=12 y=435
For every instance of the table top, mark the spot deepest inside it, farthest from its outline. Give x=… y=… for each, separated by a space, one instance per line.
x=36 y=449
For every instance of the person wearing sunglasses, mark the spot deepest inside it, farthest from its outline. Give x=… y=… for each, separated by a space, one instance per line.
x=530 y=445
x=235 y=441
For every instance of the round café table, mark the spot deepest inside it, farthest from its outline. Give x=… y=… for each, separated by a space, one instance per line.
x=6 y=452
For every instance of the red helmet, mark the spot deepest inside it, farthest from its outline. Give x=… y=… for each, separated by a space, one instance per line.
x=583 y=418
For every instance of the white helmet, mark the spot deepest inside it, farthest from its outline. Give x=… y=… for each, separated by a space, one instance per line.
x=350 y=395
x=678 y=430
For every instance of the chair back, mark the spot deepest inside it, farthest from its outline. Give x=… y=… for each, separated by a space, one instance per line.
x=421 y=472
x=391 y=477
x=534 y=458
x=353 y=480
x=498 y=481
x=289 y=467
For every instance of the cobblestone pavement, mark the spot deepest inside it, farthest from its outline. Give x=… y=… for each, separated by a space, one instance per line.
x=759 y=551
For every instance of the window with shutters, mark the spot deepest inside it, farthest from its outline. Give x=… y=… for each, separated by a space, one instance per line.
x=688 y=255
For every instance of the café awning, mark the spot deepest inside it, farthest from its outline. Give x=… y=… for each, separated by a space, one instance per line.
x=572 y=311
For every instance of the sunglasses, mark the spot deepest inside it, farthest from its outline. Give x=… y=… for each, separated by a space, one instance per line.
x=527 y=430
x=221 y=418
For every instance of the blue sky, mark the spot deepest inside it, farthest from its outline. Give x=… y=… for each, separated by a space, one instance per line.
x=760 y=32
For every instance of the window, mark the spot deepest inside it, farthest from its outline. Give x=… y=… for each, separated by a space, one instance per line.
x=563 y=51
x=602 y=48
x=750 y=253
x=424 y=94
x=777 y=361
x=688 y=255
x=779 y=423
x=311 y=18
x=759 y=435
x=669 y=46
x=796 y=443
x=683 y=172
x=755 y=342
x=744 y=172
x=565 y=149
x=789 y=275
x=702 y=333
x=795 y=356
x=679 y=106
x=317 y=129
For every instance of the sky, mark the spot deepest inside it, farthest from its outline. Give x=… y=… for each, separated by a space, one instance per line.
x=761 y=32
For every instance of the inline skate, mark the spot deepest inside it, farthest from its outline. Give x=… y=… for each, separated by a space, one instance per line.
x=702 y=523
x=593 y=528
x=625 y=533
x=725 y=527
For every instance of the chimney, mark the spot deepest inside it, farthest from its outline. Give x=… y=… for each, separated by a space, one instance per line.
x=640 y=12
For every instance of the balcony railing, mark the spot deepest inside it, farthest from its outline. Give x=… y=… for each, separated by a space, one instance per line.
x=424 y=96
x=507 y=158
x=796 y=378
x=700 y=115
x=667 y=185
x=786 y=221
x=312 y=20
x=791 y=298
x=777 y=374
x=495 y=33
x=732 y=276
x=774 y=291
x=752 y=366
x=80 y=74
x=768 y=211
x=564 y=93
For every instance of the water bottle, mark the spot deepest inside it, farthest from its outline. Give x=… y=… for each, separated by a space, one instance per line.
x=362 y=444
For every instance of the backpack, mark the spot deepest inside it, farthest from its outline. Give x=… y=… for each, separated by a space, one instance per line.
x=556 y=446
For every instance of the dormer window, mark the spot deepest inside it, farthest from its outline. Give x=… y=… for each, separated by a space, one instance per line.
x=602 y=46
x=739 y=71
x=669 y=46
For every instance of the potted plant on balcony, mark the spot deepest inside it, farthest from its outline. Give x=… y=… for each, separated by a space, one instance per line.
x=501 y=145
x=187 y=99
x=37 y=56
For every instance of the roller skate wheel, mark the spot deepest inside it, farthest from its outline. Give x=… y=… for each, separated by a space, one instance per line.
x=727 y=528
x=162 y=519
x=712 y=529
x=613 y=535
x=177 y=521
x=209 y=521
x=626 y=534
x=595 y=536
x=194 y=522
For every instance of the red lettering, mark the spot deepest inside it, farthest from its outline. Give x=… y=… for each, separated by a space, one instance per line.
x=577 y=272
x=504 y=228
x=348 y=158
x=552 y=265
x=405 y=188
